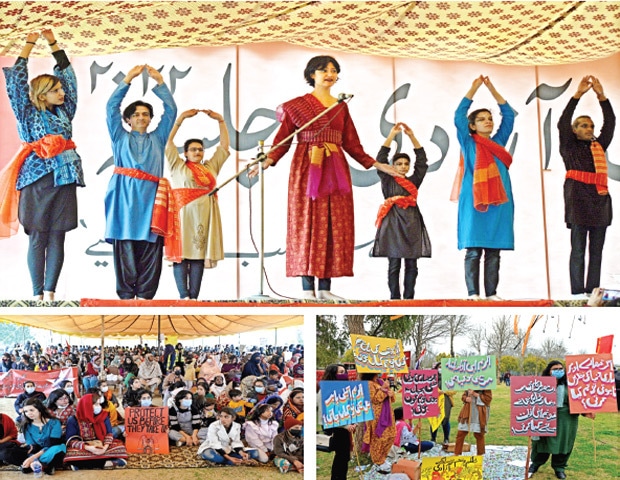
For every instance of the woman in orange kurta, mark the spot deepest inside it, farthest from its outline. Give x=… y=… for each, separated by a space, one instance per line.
x=380 y=432
x=320 y=231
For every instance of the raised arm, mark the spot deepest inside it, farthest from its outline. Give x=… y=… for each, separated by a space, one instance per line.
x=224 y=138
x=31 y=41
x=175 y=128
x=170 y=107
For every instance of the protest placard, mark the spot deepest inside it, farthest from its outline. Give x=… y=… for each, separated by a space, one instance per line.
x=591 y=383
x=463 y=373
x=533 y=410
x=420 y=394
x=449 y=468
x=344 y=403
x=377 y=354
x=146 y=430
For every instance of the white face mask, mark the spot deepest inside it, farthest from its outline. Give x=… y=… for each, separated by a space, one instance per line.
x=97 y=409
x=69 y=389
x=146 y=402
x=186 y=402
x=29 y=389
x=104 y=389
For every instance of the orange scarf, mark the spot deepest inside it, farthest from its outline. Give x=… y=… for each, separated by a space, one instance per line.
x=47 y=147
x=600 y=167
x=400 y=201
x=173 y=249
x=163 y=221
x=488 y=188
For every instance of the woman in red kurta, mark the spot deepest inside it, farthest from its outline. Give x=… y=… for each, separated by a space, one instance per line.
x=320 y=231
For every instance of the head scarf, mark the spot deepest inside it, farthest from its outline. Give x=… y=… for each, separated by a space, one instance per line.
x=85 y=413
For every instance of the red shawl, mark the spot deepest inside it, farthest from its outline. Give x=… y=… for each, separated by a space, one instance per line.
x=85 y=413
x=400 y=201
x=47 y=147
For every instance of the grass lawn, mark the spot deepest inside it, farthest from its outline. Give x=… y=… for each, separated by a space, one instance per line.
x=582 y=464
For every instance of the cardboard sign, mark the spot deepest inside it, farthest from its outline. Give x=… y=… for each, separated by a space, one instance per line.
x=345 y=403
x=533 y=410
x=146 y=430
x=449 y=468
x=420 y=394
x=591 y=383
x=464 y=373
x=377 y=354
x=12 y=382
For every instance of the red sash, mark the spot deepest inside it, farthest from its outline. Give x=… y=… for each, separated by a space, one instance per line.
x=400 y=201
x=173 y=249
x=600 y=166
x=47 y=147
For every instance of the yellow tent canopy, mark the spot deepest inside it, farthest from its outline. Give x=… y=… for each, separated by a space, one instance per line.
x=134 y=325
x=506 y=33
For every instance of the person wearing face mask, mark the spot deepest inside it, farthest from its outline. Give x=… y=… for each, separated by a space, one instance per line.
x=90 y=441
x=67 y=386
x=198 y=244
x=253 y=367
x=60 y=407
x=207 y=417
x=341 y=437
x=7 y=364
x=173 y=377
x=288 y=447
x=587 y=202
x=258 y=391
x=117 y=428
x=260 y=430
x=184 y=420
x=561 y=445
x=128 y=366
x=29 y=392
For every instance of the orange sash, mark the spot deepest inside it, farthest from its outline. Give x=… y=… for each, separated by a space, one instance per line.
x=600 y=166
x=410 y=200
x=47 y=147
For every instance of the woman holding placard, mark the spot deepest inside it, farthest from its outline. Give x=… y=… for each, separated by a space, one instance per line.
x=474 y=417
x=560 y=446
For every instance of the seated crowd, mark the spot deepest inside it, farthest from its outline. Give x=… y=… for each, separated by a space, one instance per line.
x=235 y=407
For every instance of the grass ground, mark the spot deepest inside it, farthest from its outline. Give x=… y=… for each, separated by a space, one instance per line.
x=602 y=434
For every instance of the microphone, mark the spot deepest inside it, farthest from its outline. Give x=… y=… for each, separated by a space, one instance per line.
x=344 y=96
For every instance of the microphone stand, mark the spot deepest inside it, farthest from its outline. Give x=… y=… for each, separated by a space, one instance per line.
x=260 y=158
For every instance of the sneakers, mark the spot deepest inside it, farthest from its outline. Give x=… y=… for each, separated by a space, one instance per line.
x=385 y=467
x=474 y=297
x=495 y=298
x=327 y=295
x=116 y=463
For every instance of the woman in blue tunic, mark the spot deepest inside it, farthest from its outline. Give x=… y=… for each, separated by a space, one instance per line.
x=39 y=184
x=43 y=435
x=486 y=207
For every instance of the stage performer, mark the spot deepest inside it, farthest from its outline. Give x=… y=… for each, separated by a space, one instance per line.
x=561 y=445
x=199 y=243
x=131 y=227
x=587 y=203
x=39 y=185
x=320 y=232
x=483 y=190
x=474 y=417
x=401 y=233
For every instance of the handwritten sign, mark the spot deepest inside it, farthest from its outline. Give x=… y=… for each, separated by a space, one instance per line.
x=449 y=468
x=345 y=403
x=463 y=373
x=376 y=354
x=146 y=430
x=420 y=394
x=591 y=385
x=533 y=410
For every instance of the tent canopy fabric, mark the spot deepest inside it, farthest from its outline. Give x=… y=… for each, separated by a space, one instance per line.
x=506 y=33
x=182 y=326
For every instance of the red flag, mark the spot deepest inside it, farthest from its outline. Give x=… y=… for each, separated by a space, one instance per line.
x=604 y=344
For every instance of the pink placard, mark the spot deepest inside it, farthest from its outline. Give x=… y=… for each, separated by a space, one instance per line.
x=591 y=384
x=420 y=394
x=533 y=406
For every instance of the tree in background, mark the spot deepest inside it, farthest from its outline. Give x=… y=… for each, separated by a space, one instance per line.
x=475 y=338
x=331 y=340
x=457 y=325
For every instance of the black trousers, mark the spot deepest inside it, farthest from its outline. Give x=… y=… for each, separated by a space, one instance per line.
x=137 y=264
x=341 y=444
x=579 y=237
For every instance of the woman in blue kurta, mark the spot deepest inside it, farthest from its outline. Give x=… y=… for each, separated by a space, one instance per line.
x=39 y=184
x=486 y=207
x=43 y=435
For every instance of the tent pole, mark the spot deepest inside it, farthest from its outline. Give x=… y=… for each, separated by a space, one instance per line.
x=158 y=335
x=102 y=369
